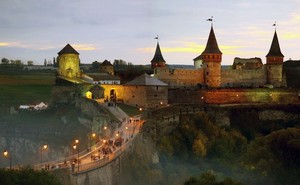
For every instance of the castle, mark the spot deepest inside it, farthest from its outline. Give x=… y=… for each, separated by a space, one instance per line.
x=208 y=72
x=142 y=92
x=216 y=83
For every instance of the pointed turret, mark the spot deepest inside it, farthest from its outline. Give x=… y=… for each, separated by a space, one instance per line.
x=212 y=58
x=275 y=48
x=274 y=63
x=158 y=60
x=212 y=45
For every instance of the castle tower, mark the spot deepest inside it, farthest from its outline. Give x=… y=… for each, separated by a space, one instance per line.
x=158 y=60
x=107 y=67
x=211 y=58
x=68 y=62
x=274 y=63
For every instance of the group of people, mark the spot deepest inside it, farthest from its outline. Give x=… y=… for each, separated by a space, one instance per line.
x=109 y=147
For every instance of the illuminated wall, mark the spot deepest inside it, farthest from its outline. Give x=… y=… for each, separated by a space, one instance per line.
x=253 y=78
x=139 y=96
x=69 y=65
x=179 y=77
x=234 y=96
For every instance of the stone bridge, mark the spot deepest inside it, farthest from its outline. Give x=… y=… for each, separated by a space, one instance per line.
x=102 y=163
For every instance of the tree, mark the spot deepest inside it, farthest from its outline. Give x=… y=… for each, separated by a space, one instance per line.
x=96 y=65
x=30 y=63
x=27 y=176
x=4 y=61
x=54 y=63
x=210 y=178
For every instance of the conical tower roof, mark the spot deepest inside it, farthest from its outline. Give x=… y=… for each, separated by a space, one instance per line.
x=275 y=48
x=158 y=56
x=68 y=49
x=212 y=45
x=146 y=80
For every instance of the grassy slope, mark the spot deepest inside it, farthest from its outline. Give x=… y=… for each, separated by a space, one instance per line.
x=17 y=88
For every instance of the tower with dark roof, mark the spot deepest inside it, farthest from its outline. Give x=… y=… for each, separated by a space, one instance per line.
x=211 y=58
x=68 y=62
x=274 y=63
x=158 y=60
x=107 y=67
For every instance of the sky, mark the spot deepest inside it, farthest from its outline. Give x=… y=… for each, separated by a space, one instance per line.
x=125 y=29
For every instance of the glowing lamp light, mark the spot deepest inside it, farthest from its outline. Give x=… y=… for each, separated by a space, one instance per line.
x=141 y=109
x=74 y=147
x=88 y=94
x=161 y=103
x=5 y=153
x=76 y=141
x=93 y=135
x=45 y=147
x=126 y=128
x=105 y=128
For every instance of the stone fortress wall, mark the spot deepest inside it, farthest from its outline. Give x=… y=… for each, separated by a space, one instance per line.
x=248 y=78
x=180 y=77
x=229 y=77
x=234 y=96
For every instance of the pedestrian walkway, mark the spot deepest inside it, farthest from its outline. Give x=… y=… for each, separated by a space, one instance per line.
x=117 y=112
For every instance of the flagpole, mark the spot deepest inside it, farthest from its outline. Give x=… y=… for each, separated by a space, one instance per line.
x=275 y=25
x=211 y=20
x=157 y=38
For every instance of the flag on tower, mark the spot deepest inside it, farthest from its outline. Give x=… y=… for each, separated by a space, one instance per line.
x=210 y=19
x=156 y=37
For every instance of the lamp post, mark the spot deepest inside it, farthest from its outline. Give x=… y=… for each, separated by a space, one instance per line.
x=77 y=142
x=42 y=149
x=6 y=154
x=128 y=132
x=91 y=138
x=74 y=148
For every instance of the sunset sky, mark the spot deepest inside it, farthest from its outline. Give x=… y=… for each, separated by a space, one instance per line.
x=125 y=29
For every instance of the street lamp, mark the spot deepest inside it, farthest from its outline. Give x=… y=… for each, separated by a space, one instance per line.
x=74 y=148
x=6 y=154
x=77 y=142
x=42 y=149
x=128 y=132
x=91 y=138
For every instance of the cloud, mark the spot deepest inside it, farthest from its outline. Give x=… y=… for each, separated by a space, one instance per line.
x=4 y=44
x=291 y=36
x=192 y=47
x=84 y=47
x=12 y=44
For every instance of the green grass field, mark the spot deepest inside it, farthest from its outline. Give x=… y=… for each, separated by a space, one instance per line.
x=16 y=89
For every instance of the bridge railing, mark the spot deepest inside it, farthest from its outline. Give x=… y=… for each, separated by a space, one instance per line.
x=101 y=162
x=67 y=162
